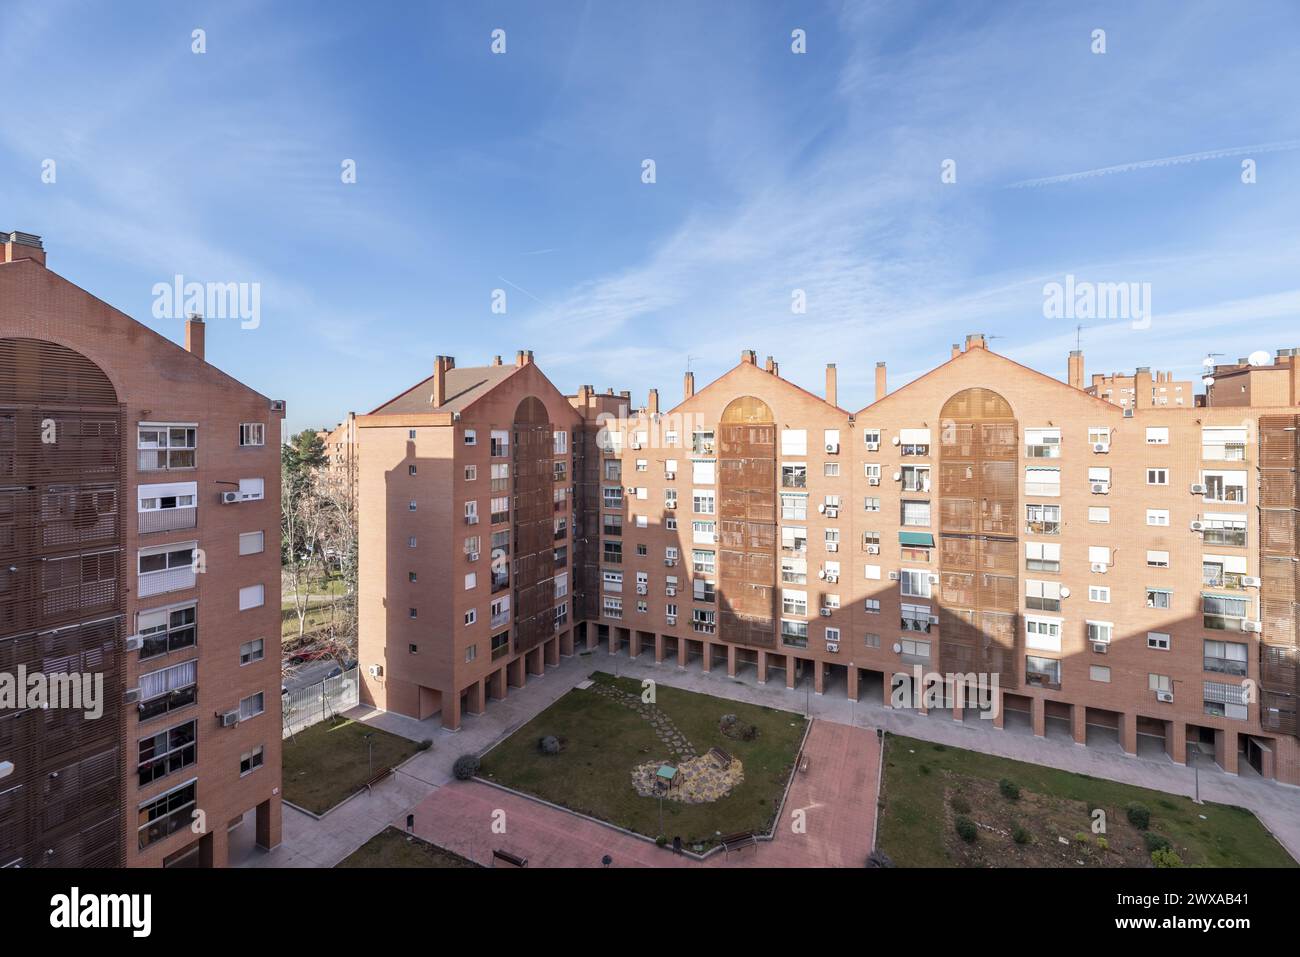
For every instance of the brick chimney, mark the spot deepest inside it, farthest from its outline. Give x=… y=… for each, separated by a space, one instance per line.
x=770 y=366
x=1142 y=388
x=749 y=357
x=976 y=340
x=519 y=359
x=956 y=350
x=881 y=388
x=496 y=360
x=194 y=336
x=22 y=246
x=832 y=390
x=688 y=385
x=441 y=366
x=652 y=403
x=1076 y=368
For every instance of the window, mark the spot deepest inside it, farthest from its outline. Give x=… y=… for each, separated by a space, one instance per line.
x=1098 y=435
x=1158 y=517
x=251 y=651
x=914 y=617
x=1157 y=436
x=1042 y=595
x=1225 y=657
x=251 y=543
x=500 y=509
x=794 y=476
x=702 y=561
x=411 y=470
x=1156 y=559
x=1042 y=634
x=914 y=648
x=1099 y=514
x=914 y=441
x=252 y=433
x=642 y=465
x=1099 y=673
x=411 y=506
x=916 y=514
x=166 y=629
x=794 y=539
x=916 y=478
x=702 y=502
x=168 y=689
x=871 y=438
x=914 y=582
x=702 y=442
x=1159 y=598
x=1159 y=683
x=252 y=596
x=1226 y=700
x=471 y=652
x=1099 y=480
x=250 y=761
x=411 y=542
x=251 y=490
x=703 y=472
x=1043 y=519
x=832 y=635
x=412 y=613
x=500 y=645
x=1224 y=571
x=1043 y=443
x=611 y=580
x=471 y=437
x=1223 y=613
x=499 y=443
x=1225 y=487
x=871 y=606
x=167 y=751
x=794 y=602
x=704 y=621
x=1099 y=556
x=1042 y=556
x=410 y=433
x=871 y=641
x=1042 y=671
x=162 y=447
x=166 y=814
x=1101 y=631
x=794 y=634
x=831 y=469
x=1157 y=641
x=871 y=504
x=471 y=473
x=1224 y=530
x=471 y=580
x=1223 y=444
x=251 y=706
x=794 y=505
x=561 y=442
x=166 y=497
x=1157 y=476
x=1099 y=593
x=499 y=611
x=794 y=442
x=1042 y=481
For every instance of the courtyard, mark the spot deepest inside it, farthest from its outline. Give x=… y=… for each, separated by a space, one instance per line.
x=332 y=760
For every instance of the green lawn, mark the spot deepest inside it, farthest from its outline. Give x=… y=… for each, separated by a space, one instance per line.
x=393 y=848
x=603 y=741
x=327 y=762
x=923 y=781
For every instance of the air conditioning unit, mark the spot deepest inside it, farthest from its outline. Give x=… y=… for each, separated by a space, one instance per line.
x=873 y=549
x=1198 y=489
x=1128 y=413
x=671 y=503
x=873 y=480
x=1253 y=626
x=277 y=405
x=873 y=446
x=376 y=671
x=832 y=546
x=832 y=646
x=893 y=576
x=670 y=475
x=471 y=519
x=1248 y=581
x=1166 y=696
x=717 y=538
x=825 y=612
x=133 y=643
x=670 y=562
x=1100 y=567
x=472 y=556
x=898 y=476
x=671 y=591
x=635 y=446
x=671 y=619
x=932 y=578
x=832 y=448
x=229 y=719
x=642 y=589
x=833 y=578
x=229 y=498
x=1100 y=488
x=1101 y=446
x=1100 y=647
x=1198 y=526
x=132 y=695
x=832 y=511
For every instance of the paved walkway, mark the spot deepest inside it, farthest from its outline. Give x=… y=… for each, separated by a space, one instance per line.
x=833 y=803
x=322 y=843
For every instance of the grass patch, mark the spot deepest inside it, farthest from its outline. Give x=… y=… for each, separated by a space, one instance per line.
x=326 y=763
x=917 y=829
x=394 y=848
x=604 y=741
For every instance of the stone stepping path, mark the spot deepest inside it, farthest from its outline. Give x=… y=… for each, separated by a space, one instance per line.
x=665 y=730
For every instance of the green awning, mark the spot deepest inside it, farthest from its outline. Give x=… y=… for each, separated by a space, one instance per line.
x=916 y=538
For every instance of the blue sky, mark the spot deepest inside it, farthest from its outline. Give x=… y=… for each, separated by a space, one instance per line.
x=775 y=172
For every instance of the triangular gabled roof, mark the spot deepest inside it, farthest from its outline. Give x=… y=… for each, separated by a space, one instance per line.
x=464 y=387
x=755 y=370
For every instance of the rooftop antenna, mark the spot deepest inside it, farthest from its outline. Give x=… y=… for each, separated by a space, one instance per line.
x=689 y=360
x=1078 y=338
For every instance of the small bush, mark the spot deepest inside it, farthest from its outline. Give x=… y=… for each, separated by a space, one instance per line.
x=549 y=744
x=1081 y=837
x=879 y=859
x=1139 y=815
x=1156 y=842
x=967 y=830
x=661 y=841
x=1020 y=835
x=466 y=767
x=1009 y=789
x=1165 y=857
x=960 y=804
x=941 y=747
x=425 y=745
x=1103 y=844
x=924 y=769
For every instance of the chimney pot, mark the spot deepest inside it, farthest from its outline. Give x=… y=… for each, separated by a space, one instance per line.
x=770 y=366
x=688 y=385
x=832 y=389
x=496 y=360
x=881 y=388
x=1074 y=368
x=195 y=336
x=519 y=358
x=956 y=349
x=749 y=356
x=19 y=245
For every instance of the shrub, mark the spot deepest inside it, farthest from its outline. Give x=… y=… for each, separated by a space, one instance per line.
x=1081 y=837
x=466 y=767
x=1010 y=790
x=1020 y=835
x=1156 y=842
x=960 y=804
x=967 y=830
x=941 y=747
x=879 y=859
x=1139 y=815
x=425 y=745
x=1103 y=844
x=1165 y=857
x=661 y=841
x=925 y=769
x=549 y=744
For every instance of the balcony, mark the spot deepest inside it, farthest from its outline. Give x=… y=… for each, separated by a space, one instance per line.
x=167 y=580
x=914 y=624
x=168 y=519
x=1231 y=581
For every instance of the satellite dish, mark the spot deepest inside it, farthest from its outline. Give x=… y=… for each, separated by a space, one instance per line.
x=1065 y=592
x=1208 y=380
x=1260 y=358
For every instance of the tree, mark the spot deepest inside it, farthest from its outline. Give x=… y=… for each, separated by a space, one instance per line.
x=305 y=451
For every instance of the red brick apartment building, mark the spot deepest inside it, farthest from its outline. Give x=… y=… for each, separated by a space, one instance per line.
x=1128 y=568
x=139 y=539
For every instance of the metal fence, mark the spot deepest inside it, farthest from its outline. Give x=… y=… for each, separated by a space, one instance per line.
x=306 y=706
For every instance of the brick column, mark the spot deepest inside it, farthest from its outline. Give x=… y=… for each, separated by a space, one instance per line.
x=999 y=719
x=1225 y=750
x=1079 y=723
x=1176 y=741
x=819 y=677
x=474 y=703
x=451 y=711
x=1038 y=716
x=534 y=663
x=683 y=653
x=634 y=644
x=731 y=661
x=659 y=648
x=790 y=662
x=708 y=657
x=762 y=667
x=268 y=824
x=517 y=671
x=552 y=652
x=853 y=682
x=498 y=683
x=1128 y=733
x=566 y=644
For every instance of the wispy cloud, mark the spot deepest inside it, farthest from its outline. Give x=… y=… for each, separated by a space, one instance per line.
x=1157 y=163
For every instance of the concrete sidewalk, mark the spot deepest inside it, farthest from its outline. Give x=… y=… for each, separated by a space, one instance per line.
x=312 y=843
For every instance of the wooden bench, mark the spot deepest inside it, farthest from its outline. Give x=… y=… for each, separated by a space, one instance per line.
x=737 y=841
x=378 y=777
x=514 y=860
x=722 y=758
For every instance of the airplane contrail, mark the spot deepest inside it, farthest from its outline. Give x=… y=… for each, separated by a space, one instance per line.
x=1162 y=161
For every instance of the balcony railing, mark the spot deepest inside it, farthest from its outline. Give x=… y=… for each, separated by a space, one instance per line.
x=168 y=519
x=914 y=624
x=170 y=579
x=1228 y=580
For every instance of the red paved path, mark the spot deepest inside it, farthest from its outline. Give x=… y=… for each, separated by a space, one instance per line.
x=837 y=794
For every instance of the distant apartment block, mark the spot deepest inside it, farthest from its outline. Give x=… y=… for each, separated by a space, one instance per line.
x=139 y=540
x=1125 y=565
